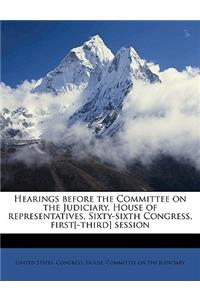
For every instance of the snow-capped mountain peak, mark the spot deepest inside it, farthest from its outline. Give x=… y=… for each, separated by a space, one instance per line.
x=103 y=108
x=95 y=46
x=82 y=65
x=102 y=82
x=128 y=63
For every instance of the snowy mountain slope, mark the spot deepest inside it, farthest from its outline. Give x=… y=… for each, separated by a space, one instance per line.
x=81 y=67
x=105 y=103
x=18 y=124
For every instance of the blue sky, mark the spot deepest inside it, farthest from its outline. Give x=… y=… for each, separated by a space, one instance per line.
x=32 y=48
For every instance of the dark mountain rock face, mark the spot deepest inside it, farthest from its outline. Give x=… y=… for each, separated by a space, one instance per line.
x=65 y=173
x=168 y=174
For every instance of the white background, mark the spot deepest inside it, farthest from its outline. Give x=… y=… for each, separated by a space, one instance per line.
x=100 y=9
x=153 y=290
x=104 y=9
x=192 y=206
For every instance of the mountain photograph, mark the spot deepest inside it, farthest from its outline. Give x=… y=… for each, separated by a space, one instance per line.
x=100 y=106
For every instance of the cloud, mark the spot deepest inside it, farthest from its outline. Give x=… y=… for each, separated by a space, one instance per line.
x=23 y=97
x=161 y=118
x=187 y=34
x=31 y=155
x=164 y=118
x=45 y=108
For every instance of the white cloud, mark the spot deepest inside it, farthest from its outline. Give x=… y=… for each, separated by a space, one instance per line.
x=22 y=96
x=167 y=117
x=161 y=118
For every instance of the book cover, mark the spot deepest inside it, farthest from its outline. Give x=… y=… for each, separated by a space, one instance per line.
x=100 y=150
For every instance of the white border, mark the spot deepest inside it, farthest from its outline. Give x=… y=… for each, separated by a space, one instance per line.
x=99 y=10
x=111 y=290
